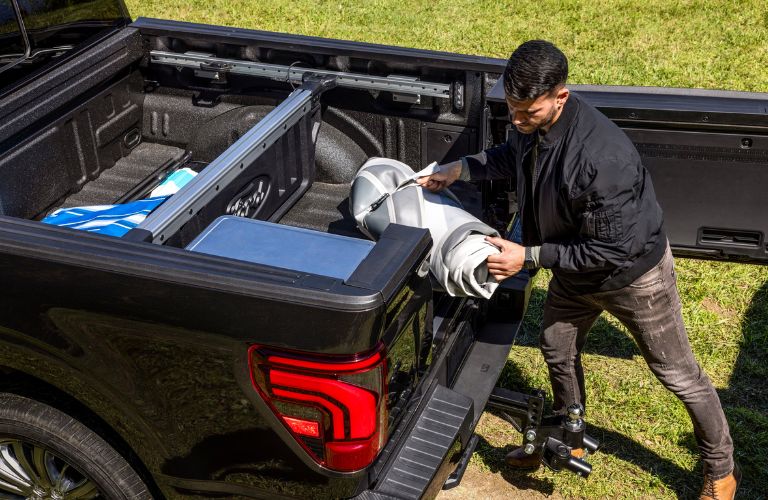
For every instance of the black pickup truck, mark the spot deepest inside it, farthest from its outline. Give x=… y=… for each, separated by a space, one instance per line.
x=139 y=367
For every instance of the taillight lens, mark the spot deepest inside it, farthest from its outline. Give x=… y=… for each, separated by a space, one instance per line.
x=335 y=407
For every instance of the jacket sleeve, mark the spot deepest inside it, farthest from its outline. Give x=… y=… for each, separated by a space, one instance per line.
x=494 y=163
x=603 y=203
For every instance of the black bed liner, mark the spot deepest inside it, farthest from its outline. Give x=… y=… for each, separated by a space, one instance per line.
x=325 y=207
x=144 y=161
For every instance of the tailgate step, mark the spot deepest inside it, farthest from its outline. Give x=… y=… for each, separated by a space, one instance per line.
x=484 y=363
x=488 y=355
x=431 y=448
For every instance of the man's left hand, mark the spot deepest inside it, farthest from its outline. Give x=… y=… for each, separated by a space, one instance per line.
x=509 y=262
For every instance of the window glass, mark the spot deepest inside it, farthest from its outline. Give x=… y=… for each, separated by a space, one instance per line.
x=44 y=13
x=54 y=23
x=55 y=29
x=11 y=42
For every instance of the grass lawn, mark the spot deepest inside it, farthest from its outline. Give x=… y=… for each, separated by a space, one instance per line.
x=649 y=450
x=648 y=446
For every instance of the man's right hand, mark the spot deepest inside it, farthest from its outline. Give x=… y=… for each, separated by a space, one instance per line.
x=438 y=181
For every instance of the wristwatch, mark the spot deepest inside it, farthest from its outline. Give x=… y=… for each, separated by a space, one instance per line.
x=529 y=263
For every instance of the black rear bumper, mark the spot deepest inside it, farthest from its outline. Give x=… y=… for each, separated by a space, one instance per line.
x=438 y=438
x=432 y=448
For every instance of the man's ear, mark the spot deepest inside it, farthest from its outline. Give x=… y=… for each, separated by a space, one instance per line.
x=562 y=95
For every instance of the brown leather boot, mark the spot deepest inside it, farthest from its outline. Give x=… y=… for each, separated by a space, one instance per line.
x=519 y=459
x=723 y=488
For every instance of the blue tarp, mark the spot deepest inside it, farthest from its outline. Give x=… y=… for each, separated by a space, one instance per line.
x=116 y=220
x=112 y=220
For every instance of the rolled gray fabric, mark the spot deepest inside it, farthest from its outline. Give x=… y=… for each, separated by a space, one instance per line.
x=385 y=191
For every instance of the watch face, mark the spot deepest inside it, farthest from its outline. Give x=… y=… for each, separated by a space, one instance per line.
x=528 y=261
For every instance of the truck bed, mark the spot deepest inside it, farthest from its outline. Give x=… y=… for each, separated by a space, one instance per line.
x=324 y=207
x=143 y=162
x=154 y=340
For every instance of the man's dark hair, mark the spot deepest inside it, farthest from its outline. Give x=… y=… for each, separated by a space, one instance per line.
x=534 y=68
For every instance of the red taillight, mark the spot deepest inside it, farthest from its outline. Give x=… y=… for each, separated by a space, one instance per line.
x=334 y=407
x=303 y=427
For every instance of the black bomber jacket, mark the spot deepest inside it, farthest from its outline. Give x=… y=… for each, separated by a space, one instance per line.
x=593 y=210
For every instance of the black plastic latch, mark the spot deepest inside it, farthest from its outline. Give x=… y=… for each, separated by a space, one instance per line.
x=206 y=99
x=138 y=235
x=376 y=204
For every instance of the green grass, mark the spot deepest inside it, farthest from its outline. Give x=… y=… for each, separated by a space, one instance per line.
x=648 y=445
x=649 y=450
x=706 y=44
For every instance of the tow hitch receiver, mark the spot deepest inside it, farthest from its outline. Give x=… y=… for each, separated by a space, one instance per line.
x=553 y=437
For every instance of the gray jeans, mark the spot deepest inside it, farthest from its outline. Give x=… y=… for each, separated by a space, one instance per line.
x=650 y=309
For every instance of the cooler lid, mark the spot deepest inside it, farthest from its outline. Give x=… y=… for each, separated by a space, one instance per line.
x=286 y=247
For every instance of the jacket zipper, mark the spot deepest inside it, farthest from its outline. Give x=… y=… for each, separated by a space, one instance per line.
x=534 y=185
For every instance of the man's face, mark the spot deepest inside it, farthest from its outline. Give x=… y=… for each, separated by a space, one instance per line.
x=540 y=113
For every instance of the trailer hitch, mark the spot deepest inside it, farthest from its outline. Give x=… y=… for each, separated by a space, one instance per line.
x=553 y=437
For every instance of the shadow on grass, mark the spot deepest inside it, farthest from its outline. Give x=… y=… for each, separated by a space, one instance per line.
x=745 y=400
x=493 y=457
x=604 y=338
x=513 y=379
x=674 y=477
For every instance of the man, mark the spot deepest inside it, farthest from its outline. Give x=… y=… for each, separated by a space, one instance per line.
x=589 y=213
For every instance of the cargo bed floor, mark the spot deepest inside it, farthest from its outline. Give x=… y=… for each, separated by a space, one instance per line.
x=325 y=207
x=128 y=172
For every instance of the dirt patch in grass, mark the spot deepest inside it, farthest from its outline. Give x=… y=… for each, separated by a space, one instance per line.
x=488 y=477
x=713 y=306
x=478 y=483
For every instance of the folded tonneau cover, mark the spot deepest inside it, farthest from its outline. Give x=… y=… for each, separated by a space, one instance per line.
x=384 y=192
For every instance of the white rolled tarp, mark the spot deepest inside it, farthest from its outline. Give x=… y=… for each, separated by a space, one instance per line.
x=385 y=191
